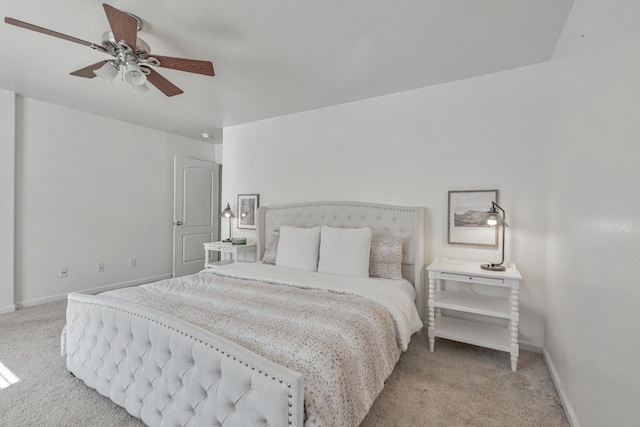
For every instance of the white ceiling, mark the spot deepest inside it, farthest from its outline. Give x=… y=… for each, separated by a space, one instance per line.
x=272 y=57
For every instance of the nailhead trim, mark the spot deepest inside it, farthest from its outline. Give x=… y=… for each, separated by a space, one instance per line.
x=217 y=349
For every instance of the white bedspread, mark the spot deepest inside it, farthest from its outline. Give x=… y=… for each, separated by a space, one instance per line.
x=397 y=296
x=344 y=367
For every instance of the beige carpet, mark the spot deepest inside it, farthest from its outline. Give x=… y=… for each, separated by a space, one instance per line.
x=457 y=385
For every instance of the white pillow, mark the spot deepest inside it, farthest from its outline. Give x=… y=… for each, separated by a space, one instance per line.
x=298 y=248
x=345 y=251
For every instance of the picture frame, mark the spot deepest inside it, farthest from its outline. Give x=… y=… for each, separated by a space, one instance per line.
x=466 y=210
x=247 y=210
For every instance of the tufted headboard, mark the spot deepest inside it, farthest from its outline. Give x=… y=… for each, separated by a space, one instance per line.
x=384 y=220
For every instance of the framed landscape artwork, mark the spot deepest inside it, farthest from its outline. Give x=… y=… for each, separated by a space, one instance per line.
x=467 y=209
x=247 y=210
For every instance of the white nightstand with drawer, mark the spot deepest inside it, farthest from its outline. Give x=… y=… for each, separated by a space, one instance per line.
x=228 y=248
x=468 y=273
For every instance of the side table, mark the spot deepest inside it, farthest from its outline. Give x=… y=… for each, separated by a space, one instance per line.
x=467 y=331
x=226 y=247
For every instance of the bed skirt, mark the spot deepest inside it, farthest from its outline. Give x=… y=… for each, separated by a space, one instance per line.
x=166 y=371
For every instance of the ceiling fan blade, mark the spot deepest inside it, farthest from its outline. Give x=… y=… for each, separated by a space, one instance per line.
x=123 y=26
x=88 y=72
x=164 y=85
x=188 y=65
x=49 y=32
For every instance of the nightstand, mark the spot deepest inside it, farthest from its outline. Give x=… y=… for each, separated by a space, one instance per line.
x=467 y=299
x=226 y=247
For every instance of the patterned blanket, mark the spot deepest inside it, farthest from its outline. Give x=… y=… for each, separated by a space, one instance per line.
x=345 y=345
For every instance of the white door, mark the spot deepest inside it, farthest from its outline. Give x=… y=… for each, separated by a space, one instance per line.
x=195 y=214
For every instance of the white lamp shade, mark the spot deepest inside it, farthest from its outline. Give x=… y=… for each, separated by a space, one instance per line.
x=140 y=88
x=134 y=74
x=107 y=72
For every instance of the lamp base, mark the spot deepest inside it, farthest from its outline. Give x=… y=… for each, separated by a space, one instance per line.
x=493 y=267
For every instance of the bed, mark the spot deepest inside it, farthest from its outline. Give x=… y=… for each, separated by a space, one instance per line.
x=218 y=348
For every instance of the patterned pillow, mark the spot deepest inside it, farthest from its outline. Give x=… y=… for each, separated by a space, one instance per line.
x=272 y=248
x=385 y=260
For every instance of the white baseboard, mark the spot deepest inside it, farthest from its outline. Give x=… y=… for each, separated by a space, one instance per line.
x=91 y=291
x=530 y=347
x=568 y=410
x=7 y=309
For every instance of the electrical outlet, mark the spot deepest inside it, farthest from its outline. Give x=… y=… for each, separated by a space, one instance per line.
x=64 y=272
x=101 y=267
x=132 y=262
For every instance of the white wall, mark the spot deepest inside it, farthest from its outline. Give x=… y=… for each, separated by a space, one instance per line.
x=593 y=214
x=7 y=185
x=91 y=189
x=411 y=148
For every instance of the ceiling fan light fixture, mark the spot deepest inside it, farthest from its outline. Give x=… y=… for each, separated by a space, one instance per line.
x=131 y=54
x=140 y=88
x=134 y=75
x=107 y=72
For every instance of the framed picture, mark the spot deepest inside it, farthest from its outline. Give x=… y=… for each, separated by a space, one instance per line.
x=467 y=209
x=247 y=210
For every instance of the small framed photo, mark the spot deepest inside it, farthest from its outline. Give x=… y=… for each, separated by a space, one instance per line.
x=247 y=210
x=467 y=209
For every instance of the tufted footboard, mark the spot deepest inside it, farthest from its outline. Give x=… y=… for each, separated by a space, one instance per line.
x=168 y=372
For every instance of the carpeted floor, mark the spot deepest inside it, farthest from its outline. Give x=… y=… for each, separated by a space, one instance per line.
x=457 y=385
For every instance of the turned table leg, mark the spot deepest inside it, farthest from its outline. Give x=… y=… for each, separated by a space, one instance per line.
x=432 y=314
x=513 y=328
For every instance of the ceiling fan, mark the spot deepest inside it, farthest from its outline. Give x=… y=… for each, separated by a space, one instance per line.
x=132 y=54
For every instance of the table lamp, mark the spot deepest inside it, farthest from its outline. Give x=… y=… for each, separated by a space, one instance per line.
x=493 y=218
x=227 y=213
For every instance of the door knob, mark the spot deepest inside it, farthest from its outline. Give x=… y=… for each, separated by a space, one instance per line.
x=177 y=223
